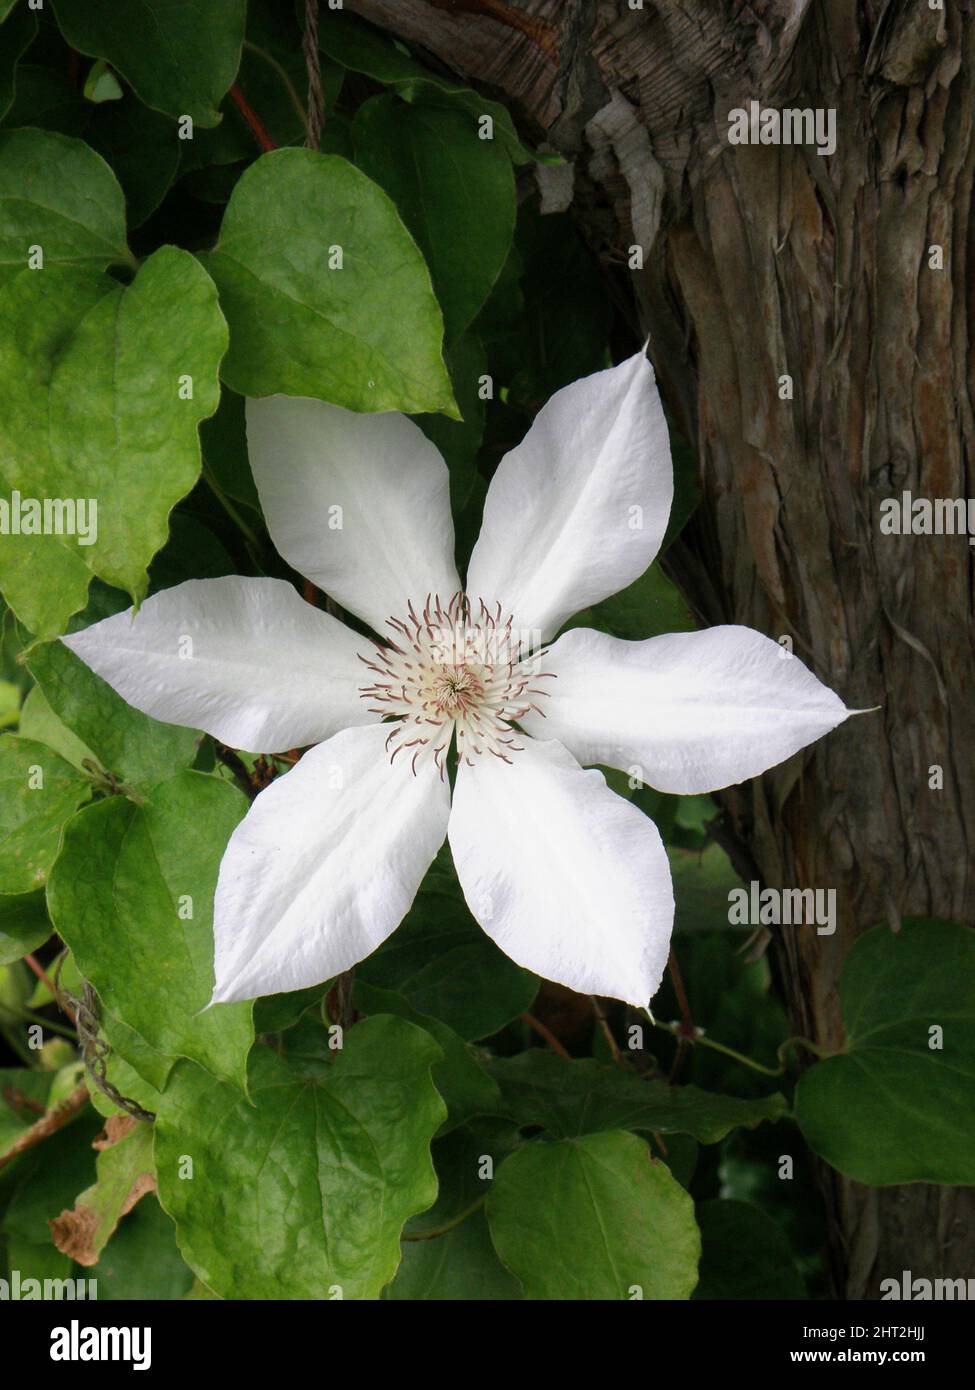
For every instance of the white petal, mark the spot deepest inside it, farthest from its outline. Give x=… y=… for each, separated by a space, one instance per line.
x=247 y=660
x=687 y=712
x=324 y=865
x=569 y=879
x=578 y=510
x=358 y=503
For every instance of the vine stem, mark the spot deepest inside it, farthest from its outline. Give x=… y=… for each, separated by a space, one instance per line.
x=33 y=964
x=676 y=1030
x=313 y=66
x=686 y=1034
x=545 y=1032
x=607 y=1032
x=258 y=129
x=802 y=1042
x=285 y=80
x=448 y=1225
x=228 y=506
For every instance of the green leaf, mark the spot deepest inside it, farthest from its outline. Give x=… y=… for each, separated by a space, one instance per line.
x=57 y=194
x=461 y=1264
x=50 y=1176
x=360 y=48
x=47 y=99
x=192 y=552
x=34 y=1260
x=744 y=1254
x=894 y=1106
x=17 y=1086
x=138 y=750
x=460 y=440
x=445 y=966
x=123 y=1174
x=304 y=327
x=179 y=58
x=582 y=1096
x=224 y=439
x=276 y=1013
x=9 y=705
x=455 y=192
x=649 y=606
x=560 y=337
x=594 y=1218
x=120 y=895
x=24 y=925
x=142 y=1261
x=324 y=1170
x=462 y=1081
x=138 y=1070
x=39 y=722
x=19 y=30
x=143 y=149
x=465 y=1160
x=101 y=84
x=702 y=881
x=96 y=377
x=120 y=423
x=38 y=792
x=44 y=578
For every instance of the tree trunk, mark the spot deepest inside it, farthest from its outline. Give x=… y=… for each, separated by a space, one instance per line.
x=761 y=261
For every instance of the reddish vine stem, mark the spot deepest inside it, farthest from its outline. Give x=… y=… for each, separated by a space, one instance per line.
x=257 y=127
x=543 y=1031
x=687 y=1034
x=45 y=979
x=607 y=1032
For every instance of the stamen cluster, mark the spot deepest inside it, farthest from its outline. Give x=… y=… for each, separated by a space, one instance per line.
x=450 y=669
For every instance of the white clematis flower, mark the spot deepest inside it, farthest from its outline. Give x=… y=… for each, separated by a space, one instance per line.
x=569 y=879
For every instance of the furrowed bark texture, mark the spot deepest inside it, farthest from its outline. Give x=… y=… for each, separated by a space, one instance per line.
x=766 y=260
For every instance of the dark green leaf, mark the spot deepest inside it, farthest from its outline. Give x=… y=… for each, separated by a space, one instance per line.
x=459 y=1076
x=744 y=1254
x=459 y=440
x=143 y=149
x=461 y=1264
x=582 y=1096
x=142 y=1260
x=19 y=1085
x=179 y=58
x=50 y=1176
x=360 y=48
x=454 y=191
x=895 y=1105
x=18 y=30
x=445 y=966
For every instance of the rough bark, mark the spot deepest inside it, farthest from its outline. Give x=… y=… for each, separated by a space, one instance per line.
x=766 y=260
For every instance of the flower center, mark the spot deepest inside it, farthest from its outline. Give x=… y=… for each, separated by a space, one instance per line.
x=452 y=671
